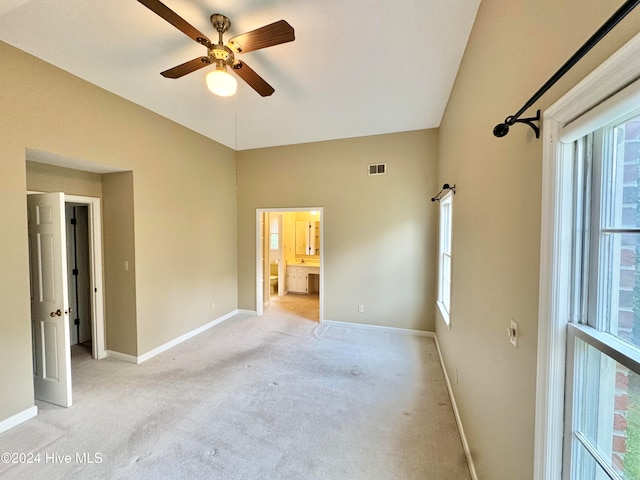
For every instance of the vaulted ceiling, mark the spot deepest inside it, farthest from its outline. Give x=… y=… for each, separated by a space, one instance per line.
x=356 y=67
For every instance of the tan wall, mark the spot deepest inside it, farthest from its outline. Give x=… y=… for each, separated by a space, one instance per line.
x=16 y=372
x=514 y=47
x=119 y=246
x=50 y=178
x=184 y=202
x=379 y=248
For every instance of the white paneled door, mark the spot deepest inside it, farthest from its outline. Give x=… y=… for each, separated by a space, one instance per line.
x=49 y=299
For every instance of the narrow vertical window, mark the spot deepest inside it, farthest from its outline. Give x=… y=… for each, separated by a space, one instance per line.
x=444 y=257
x=274 y=234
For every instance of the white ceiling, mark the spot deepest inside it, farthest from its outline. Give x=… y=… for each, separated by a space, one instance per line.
x=356 y=68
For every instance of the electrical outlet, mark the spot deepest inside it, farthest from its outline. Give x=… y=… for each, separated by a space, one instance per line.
x=456 y=376
x=513 y=331
x=360 y=308
x=213 y=305
x=126 y=265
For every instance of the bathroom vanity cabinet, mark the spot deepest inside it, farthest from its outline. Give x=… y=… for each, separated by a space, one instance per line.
x=302 y=278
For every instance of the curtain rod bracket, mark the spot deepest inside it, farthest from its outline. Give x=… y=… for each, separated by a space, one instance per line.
x=446 y=186
x=502 y=129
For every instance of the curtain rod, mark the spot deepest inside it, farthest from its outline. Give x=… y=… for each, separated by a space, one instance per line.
x=502 y=129
x=445 y=187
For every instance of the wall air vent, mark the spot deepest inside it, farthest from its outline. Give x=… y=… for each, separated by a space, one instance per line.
x=377 y=169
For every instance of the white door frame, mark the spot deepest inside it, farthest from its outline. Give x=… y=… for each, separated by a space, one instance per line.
x=96 y=277
x=281 y=263
x=259 y=255
x=266 y=288
x=96 y=283
x=621 y=69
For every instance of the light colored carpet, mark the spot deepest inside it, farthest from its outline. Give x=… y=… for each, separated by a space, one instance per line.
x=274 y=397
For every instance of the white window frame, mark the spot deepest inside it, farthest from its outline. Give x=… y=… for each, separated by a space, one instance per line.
x=445 y=257
x=591 y=363
x=554 y=311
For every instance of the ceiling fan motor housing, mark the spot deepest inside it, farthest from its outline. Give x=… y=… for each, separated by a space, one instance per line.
x=221 y=52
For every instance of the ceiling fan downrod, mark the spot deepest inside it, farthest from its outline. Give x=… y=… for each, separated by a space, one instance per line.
x=219 y=53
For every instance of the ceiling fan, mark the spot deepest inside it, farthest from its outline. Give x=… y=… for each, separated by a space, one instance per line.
x=224 y=55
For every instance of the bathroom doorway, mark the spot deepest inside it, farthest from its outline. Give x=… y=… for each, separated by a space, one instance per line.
x=289 y=260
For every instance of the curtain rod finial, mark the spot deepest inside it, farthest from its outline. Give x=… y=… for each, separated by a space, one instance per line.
x=501 y=130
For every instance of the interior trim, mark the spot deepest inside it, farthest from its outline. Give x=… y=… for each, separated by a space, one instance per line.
x=176 y=341
x=456 y=414
x=18 y=418
x=378 y=328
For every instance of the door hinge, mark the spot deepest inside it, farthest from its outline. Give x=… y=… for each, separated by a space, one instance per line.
x=76 y=321
x=75 y=272
x=74 y=221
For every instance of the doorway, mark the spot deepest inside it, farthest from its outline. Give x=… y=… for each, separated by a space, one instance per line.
x=289 y=257
x=78 y=277
x=84 y=266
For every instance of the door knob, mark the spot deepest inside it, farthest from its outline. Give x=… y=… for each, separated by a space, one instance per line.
x=57 y=313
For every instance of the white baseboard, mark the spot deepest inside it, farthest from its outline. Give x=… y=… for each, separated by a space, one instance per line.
x=122 y=356
x=18 y=418
x=176 y=341
x=378 y=328
x=247 y=312
x=456 y=413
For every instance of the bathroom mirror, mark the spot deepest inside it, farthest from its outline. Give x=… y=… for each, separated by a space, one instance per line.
x=307 y=238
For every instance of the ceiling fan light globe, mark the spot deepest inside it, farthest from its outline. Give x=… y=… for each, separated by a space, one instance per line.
x=221 y=83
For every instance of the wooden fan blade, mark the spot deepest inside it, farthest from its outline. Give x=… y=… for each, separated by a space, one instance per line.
x=254 y=80
x=267 y=36
x=187 y=67
x=176 y=20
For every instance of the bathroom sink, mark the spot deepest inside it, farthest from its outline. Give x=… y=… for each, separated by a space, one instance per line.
x=304 y=264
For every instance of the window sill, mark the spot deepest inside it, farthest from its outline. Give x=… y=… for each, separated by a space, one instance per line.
x=444 y=315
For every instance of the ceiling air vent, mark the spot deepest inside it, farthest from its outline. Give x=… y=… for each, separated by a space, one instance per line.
x=377 y=168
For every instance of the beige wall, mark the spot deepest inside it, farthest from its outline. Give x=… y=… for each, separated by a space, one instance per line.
x=50 y=178
x=379 y=248
x=183 y=193
x=118 y=218
x=514 y=47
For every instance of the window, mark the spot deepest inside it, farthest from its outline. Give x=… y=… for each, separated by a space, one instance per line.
x=602 y=422
x=444 y=257
x=610 y=92
x=274 y=235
